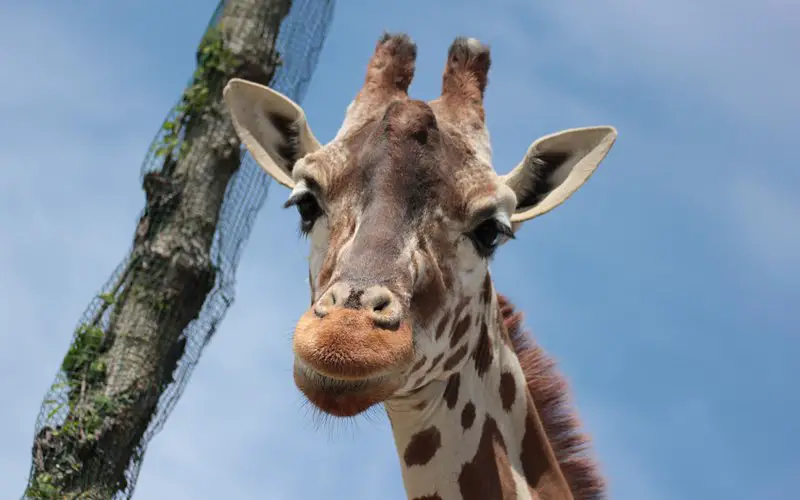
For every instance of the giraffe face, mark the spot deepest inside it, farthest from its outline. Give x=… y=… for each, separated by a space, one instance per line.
x=403 y=211
x=401 y=217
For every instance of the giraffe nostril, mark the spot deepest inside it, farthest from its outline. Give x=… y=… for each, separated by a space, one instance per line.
x=330 y=299
x=381 y=305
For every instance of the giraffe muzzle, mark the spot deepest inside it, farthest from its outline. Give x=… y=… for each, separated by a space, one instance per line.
x=349 y=345
x=352 y=349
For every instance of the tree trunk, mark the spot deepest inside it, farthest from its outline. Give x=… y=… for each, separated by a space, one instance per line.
x=116 y=373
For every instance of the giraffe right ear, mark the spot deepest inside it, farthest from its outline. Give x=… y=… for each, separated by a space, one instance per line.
x=272 y=127
x=556 y=166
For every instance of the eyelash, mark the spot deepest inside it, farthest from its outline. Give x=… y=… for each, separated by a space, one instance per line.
x=307 y=207
x=486 y=243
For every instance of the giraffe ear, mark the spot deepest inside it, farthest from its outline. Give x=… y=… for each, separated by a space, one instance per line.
x=555 y=166
x=272 y=127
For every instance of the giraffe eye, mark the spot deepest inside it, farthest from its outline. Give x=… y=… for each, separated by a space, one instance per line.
x=489 y=235
x=308 y=208
x=309 y=211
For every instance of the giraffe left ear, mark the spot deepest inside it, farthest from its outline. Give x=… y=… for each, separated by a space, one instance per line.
x=272 y=127
x=555 y=166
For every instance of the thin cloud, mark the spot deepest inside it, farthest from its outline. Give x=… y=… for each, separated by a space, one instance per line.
x=766 y=216
x=739 y=55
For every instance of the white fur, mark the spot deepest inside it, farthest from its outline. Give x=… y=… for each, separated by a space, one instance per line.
x=319 y=238
x=458 y=447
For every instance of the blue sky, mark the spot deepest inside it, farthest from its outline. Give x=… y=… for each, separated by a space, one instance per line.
x=667 y=288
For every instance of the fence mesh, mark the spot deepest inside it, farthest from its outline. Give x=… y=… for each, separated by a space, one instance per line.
x=137 y=343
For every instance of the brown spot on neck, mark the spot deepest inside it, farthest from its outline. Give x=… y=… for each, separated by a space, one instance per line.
x=436 y=361
x=419 y=364
x=483 y=355
x=451 y=390
x=488 y=474
x=468 y=415
x=455 y=358
x=460 y=307
x=508 y=390
x=440 y=329
x=460 y=330
x=423 y=446
x=486 y=293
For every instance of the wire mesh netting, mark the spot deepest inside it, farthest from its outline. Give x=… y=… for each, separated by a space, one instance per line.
x=136 y=345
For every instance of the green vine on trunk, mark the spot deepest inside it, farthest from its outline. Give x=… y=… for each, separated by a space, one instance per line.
x=214 y=62
x=84 y=373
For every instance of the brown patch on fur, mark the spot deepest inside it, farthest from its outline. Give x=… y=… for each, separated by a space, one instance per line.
x=508 y=390
x=482 y=355
x=423 y=446
x=455 y=358
x=435 y=496
x=488 y=474
x=436 y=361
x=460 y=308
x=486 y=293
x=415 y=386
x=440 y=329
x=468 y=415
x=459 y=330
x=549 y=392
x=451 y=390
x=347 y=345
x=419 y=364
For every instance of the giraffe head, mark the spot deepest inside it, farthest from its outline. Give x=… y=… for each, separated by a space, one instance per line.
x=404 y=211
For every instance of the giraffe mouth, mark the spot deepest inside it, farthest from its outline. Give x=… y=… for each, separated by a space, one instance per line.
x=339 y=397
x=345 y=362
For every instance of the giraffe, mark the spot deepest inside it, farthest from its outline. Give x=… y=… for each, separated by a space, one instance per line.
x=404 y=211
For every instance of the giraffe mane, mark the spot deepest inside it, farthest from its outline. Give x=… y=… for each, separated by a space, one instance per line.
x=550 y=393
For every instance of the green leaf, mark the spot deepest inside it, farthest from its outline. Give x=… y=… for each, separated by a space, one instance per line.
x=54 y=411
x=108 y=298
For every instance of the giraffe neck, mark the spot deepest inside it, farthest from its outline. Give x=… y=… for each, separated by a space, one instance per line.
x=476 y=434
